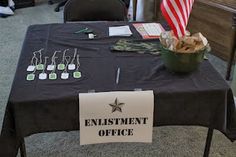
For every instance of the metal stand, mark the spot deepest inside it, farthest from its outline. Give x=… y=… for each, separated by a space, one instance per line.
x=208 y=142
x=22 y=148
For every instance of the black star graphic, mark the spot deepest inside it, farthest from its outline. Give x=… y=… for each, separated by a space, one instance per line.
x=116 y=106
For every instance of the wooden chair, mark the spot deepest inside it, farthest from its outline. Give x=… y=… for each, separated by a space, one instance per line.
x=95 y=10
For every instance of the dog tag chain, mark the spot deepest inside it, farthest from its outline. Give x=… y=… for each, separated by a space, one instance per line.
x=43 y=75
x=40 y=65
x=65 y=74
x=31 y=76
x=51 y=66
x=53 y=75
x=33 y=64
x=77 y=73
x=61 y=66
x=71 y=66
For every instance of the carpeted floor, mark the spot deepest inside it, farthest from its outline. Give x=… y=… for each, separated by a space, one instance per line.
x=167 y=141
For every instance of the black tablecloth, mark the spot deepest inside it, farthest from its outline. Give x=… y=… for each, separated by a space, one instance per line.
x=200 y=98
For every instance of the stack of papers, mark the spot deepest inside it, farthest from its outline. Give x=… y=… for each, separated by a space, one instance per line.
x=120 y=31
x=148 y=32
x=152 y=29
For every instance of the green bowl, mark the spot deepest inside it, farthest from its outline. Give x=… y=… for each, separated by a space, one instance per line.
x=182 y=62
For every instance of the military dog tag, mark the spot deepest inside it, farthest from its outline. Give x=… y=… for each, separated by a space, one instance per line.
x=42 y=76
x=61 y=66
x=52 y=76
x=30 y=77
x=31 y=68
x=40 y=67
x=77 y=74
x=50 y=67
x=71 y=66
x=64 y=76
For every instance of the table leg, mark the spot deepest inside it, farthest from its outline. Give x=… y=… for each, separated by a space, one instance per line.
x=208 y=142
x=230 y=64
x=22 y=148
x=232 y=55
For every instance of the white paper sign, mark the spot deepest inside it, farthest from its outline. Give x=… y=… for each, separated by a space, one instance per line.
x=120 y=31
x=116 y=117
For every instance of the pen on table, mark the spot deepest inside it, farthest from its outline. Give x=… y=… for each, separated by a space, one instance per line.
x=82 y=30
x=117 y=75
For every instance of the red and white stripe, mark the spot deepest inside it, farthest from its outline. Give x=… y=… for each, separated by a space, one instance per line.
x=176 y=13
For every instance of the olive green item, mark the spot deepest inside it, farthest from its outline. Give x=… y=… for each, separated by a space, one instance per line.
x=30 y=77
x=182 y=62
x=77 y=74
x=52 y=76
x=40 y=67
x=61 y=66
x=139 y=46
x=85 y=30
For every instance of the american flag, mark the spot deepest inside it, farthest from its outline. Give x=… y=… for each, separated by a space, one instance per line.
x=176 y=13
